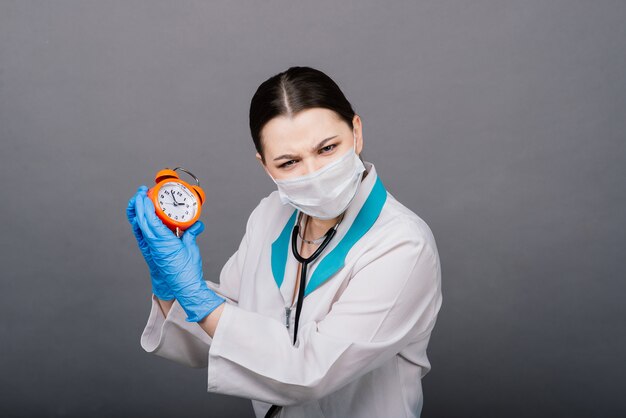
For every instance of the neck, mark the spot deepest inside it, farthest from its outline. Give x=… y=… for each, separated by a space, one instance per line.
x=317 y=227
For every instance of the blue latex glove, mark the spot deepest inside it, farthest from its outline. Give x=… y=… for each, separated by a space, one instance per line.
x=178 y=261
x=159 y=286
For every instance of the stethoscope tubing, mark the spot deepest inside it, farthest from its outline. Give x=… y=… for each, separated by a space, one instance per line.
x=305 y=262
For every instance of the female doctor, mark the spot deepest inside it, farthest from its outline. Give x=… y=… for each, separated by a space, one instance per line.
x=327 y=306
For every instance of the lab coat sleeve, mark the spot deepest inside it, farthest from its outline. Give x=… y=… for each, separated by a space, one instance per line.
x=186 y=343
x=174 y=338
x=392 y=300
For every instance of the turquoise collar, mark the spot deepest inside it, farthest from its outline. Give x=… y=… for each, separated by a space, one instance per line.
x=334 y=260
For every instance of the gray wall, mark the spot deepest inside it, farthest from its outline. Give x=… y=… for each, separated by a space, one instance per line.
x=500 y=123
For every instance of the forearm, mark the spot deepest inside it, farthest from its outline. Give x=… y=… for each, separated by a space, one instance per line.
x=209 y=322
x=165 y=305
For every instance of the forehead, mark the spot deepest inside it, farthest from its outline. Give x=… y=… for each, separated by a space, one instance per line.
x=307 y=127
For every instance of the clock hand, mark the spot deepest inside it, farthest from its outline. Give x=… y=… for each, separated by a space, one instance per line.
x=175 y=202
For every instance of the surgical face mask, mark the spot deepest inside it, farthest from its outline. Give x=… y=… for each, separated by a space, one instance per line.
x=327 y=192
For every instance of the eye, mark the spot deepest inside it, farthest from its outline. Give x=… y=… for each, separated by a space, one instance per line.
x=284 y=165
x=328 y=146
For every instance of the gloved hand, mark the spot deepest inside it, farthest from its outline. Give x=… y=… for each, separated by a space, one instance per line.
x=178 y=261
x=159 y=286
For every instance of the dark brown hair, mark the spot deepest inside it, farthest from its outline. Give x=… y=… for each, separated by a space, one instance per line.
x=294 y=90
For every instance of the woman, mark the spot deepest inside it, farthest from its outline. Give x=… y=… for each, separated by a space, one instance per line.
x=327 y=306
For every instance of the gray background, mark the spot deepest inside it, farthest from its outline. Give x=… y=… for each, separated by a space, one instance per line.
x=500 y=123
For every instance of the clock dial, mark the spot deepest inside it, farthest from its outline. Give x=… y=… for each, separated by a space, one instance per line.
x=177 y=201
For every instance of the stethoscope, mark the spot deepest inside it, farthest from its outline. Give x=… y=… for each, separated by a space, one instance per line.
x=304 y=263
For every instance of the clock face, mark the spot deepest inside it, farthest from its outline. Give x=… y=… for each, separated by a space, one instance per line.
x=177 y=201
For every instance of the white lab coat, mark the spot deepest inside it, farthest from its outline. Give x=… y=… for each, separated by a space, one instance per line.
x=371 y=302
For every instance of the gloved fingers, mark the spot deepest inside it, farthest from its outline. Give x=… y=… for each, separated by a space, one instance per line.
x=189 y=237
x=156 y=225
x=130 y=209
x=132 y=218
x=137 y=231
x=141 y=218
x=189 y=240
x=143 y=245
x=196 y=229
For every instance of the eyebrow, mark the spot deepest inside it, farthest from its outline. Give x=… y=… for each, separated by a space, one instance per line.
x=321 y=143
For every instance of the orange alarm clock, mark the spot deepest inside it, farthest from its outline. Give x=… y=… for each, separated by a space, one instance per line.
x=177 y=203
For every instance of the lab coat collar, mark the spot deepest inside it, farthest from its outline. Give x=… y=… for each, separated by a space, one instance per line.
x=358 y=219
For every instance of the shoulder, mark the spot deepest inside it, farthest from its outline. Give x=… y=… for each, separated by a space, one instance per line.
x=399 y=230
x=398 y=221
x=269 y=210
x=401 y=250
x=269 y=204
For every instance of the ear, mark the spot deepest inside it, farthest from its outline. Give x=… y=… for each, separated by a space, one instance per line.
x=260 y=160
x=358 y=132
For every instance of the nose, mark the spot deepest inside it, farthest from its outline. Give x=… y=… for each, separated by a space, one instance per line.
x=311 y=165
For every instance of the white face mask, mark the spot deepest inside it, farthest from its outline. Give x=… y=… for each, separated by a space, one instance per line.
x=327 y=192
